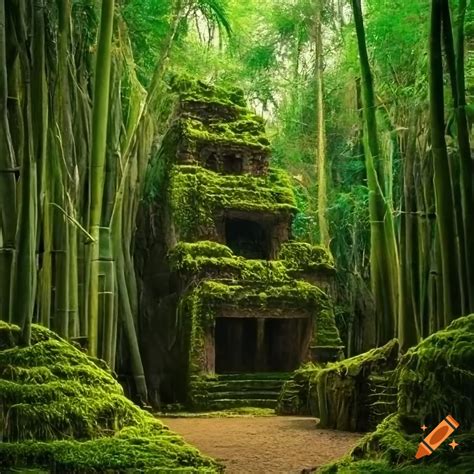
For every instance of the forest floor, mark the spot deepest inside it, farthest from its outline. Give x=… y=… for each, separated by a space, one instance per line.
x=274 y=444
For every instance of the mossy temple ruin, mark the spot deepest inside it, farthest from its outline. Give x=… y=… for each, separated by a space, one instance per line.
x=229 y=303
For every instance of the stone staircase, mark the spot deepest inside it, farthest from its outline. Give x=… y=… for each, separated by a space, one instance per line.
x=226 y=391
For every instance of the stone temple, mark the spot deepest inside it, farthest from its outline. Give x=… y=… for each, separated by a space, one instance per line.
x=229 y=304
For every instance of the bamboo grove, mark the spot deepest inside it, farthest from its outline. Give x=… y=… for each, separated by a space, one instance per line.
x=380 y=151
x=77 y=130
x=58 y=262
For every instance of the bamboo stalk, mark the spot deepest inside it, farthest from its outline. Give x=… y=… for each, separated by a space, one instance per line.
x=442 y=185
x=8 y=203
x=384 y=254
x=321 y=131
x=97 y=164
x=23 y=282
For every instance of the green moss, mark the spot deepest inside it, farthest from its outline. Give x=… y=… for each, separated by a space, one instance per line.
x=117 y=454
x=206 y=258
x=238 y=412
x=203 y=303
x=202 y=249
x=341 y=388
x=59 y=409
x=306 y=257
x=196 y=194
x=298 y=294
x=390 y=449
x=366 y=362
x=191 y=89
x=437 y=376
x=294 y=398
x=247 y=131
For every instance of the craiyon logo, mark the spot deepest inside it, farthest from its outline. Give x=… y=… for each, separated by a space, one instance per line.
x=436 y=438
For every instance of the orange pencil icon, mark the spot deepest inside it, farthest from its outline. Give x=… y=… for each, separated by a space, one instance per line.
x=436 y=437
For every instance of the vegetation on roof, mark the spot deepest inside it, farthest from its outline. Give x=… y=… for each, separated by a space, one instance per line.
x=196 y=194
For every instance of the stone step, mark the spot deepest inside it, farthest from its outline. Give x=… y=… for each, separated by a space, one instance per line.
x=255 y=376
x=260 y=390
x=225 y=403
x=247 y=394
x=239 y=385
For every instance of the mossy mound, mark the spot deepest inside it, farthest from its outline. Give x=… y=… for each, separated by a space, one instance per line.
x=390 y=448
x=60 y=410
x=435 y=378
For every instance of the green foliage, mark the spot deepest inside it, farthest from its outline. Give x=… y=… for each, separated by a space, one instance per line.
x=148 y=23
x=59 y=409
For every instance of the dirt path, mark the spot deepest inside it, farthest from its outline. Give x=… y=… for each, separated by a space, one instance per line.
x=265 y=444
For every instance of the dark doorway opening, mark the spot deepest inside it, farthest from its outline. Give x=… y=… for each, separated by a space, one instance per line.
x=212 y=163
x=260 y=344
x=232 y=164
x=235 y=340
x=247 y=239
x=285 y=341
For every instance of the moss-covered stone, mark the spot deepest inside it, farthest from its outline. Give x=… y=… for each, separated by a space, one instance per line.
x=197 y=194
x=390 y=448
x=247 y=391
x=302 y=256
x=60 y=410
x=207 y=259
x=190 y=89
x=342 y=389
x=247 y=131
x=294 y=398
x=435 y=378
x=341 y=393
